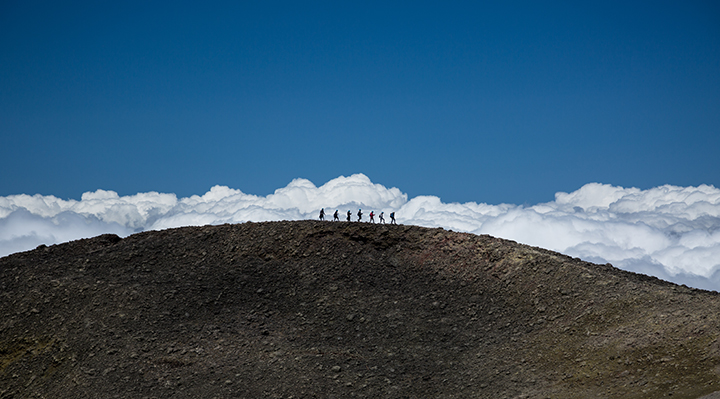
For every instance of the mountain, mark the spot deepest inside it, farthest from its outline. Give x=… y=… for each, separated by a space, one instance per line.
x=334 y=309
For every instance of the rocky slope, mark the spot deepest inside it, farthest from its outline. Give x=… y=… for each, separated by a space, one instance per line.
x=322 y=309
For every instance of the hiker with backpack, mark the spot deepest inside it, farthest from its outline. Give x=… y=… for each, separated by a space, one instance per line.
x=322 y=214
x=392 y=218
x=335 y=216
x=348 y=216
x=359 y=214
x=372 y=216
x=382 y=219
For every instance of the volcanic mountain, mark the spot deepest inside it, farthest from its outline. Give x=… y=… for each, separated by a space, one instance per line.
x=335 y=310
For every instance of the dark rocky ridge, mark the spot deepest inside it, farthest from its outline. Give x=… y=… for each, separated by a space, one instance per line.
x=322 y=309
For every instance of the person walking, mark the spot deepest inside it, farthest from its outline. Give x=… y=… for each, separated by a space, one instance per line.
x=348 y=215
x=382 y=219
x=322 y=214
x=392 y=218
x=372 y=217
x=335 y=216
x=359 y=215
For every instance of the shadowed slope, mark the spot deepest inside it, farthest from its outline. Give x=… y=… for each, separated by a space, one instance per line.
x=326 y=309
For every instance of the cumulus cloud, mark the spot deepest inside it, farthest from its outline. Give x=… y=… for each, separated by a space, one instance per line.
x=669 y=232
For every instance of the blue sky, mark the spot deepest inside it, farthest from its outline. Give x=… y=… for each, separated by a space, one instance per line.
x=466 y=101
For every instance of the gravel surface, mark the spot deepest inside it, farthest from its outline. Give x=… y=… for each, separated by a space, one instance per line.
x=335 y=310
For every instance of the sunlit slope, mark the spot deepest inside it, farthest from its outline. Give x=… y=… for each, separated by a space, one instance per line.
x=342 y=309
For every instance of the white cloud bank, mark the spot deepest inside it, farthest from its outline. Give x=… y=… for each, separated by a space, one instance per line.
x=669 y=232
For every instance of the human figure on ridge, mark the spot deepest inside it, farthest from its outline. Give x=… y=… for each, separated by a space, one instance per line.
x=359 y=214
x=348 y=216
x=382 y=219
x=322 y=214
x=392 y=218
x=372 y=217
x=335 y=216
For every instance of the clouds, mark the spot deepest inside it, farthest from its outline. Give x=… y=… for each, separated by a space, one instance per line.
x=670 y=232
x=21 y=229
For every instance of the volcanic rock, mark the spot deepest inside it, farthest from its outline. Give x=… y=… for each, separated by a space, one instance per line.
x=335 y=309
